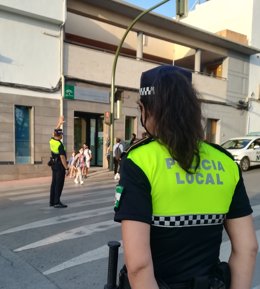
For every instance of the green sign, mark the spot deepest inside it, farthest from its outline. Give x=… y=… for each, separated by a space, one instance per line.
x=69 y=91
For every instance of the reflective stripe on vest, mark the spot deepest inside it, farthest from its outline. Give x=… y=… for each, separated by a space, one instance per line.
x=174 y=192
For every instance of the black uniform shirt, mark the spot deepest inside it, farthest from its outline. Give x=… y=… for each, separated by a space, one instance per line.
x=178 y=253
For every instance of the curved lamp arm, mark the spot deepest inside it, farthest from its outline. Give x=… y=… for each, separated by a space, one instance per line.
x=112 y=91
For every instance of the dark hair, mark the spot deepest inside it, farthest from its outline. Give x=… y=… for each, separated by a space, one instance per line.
x=176 y=111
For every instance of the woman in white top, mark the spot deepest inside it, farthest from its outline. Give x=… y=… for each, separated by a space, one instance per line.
x=88 y=157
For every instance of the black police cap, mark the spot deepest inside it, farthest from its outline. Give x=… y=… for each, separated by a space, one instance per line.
x=58 y=132
x=148 y=77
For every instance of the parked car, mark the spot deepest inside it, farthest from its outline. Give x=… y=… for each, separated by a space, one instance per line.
x=245 y=150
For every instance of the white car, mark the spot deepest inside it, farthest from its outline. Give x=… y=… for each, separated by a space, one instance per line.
x=245 y=150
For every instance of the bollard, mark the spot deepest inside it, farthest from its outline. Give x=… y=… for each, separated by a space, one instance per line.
x=112 y=265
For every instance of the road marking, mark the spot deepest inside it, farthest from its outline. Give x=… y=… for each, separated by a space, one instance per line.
x=102 y=252
x=69 y=187
x=75 y=233
x=23 y=192
x=31 y=196
x=75 y=196
x=25 y=196
x=93 y=202
x=96 y=254
x=60 y=219
x=76 y=216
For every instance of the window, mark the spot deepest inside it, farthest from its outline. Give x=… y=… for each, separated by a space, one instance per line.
x=22 y=134
x=129 y=127
x=214 y=69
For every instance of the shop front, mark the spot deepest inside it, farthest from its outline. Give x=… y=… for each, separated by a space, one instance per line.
x=88 y=129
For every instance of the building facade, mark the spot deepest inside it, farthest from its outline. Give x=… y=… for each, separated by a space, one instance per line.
x=30 y=84
x=239 y=21
x=60 y=59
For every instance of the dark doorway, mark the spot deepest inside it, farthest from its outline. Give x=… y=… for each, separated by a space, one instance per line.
x=88 y=128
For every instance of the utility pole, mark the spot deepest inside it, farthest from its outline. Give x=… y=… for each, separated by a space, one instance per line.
x=112 y=90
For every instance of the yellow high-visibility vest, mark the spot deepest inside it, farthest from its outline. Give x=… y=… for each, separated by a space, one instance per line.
x=54 y=145
x=175 y=192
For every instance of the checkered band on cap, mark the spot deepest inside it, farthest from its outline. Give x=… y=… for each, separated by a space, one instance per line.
x=147 y=90
x=188 y=220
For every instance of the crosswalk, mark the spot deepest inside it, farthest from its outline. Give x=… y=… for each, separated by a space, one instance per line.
x=81 y=230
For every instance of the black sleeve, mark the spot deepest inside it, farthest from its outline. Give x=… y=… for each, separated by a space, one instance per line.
x=240 y=205
x=135 y=201
x=61 y=149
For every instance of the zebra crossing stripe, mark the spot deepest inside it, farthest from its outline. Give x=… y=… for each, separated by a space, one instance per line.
x=71 y=197
x=92 y=202
x=90 y=256
x=75 y=233
x=102 y=252
x=60 y=219
x=28 y=196
x=78 y=216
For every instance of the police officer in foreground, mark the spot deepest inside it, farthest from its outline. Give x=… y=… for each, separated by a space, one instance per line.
x=177 y=193
x=59 y=166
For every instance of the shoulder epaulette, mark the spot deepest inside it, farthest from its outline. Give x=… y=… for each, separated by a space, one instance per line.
x=137 y=144
x=220 y=148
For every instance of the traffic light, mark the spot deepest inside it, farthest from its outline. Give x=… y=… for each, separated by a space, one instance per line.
x=118 y=101
x=181 y=7
x=118 y=94
x=107 y=117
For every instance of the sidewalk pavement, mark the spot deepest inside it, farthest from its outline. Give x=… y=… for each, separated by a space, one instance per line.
x=16 y=273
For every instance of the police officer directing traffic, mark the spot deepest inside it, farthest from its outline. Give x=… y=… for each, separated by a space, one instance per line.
x=177 y=193
x=59 y=166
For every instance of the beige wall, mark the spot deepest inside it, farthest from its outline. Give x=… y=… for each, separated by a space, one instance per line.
x=92 y=65
x=227 y=116
x=210 y=88
x=238 y=78
x=111 y=34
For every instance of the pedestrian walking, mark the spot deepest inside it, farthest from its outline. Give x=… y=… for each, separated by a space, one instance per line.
x=117 y=152
x=177 y=193
x=108 y=156
x=108 y=151
x=58 y=165
x=72 y=169
x=133 y=139
x=79 y=164
x=88 y=158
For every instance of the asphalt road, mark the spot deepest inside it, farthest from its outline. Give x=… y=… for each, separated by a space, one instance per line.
x=46 y=248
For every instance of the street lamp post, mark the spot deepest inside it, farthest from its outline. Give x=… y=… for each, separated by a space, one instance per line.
x=112 y=90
